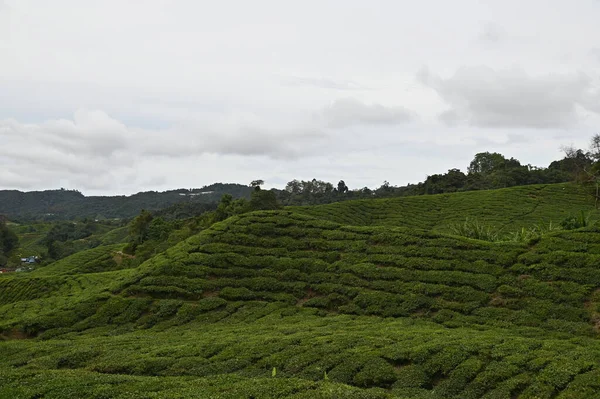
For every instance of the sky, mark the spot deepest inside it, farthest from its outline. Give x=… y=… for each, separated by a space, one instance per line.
x=116 y=97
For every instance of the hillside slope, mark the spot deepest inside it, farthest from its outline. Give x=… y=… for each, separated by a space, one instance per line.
x=282 y=304
x=505 y=209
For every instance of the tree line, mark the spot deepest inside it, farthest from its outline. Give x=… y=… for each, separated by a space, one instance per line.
x=487 y=170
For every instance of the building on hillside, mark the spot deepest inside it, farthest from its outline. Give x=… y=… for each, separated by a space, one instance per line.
x=30 y=260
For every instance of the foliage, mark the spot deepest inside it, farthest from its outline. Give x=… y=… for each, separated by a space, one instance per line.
x=262 y=200
x=486 y=171
x=360 y=299
x=576 y=222
x=8 y=242
x=68 y=237
x=471 y=228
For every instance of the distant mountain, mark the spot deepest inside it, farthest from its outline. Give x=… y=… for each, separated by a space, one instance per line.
x=71 y=204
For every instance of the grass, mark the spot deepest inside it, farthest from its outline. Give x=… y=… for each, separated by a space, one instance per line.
x=293 y=303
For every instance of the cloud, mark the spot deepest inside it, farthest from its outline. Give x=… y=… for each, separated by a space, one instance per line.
x=90 y=133
x=4 y=21
x=95 y=151
x=517 y=139
x=83 y=151
x=350 y=112
x=492 y=33
x=511 y=98
x=323 y=83
x=450 y=117
x=243 y=140
x=595 y=53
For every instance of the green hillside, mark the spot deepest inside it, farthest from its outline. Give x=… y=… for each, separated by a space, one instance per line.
x=360 y=299
x=100 y=259
x=34 y=238
x=30 y=237
x=507 y=209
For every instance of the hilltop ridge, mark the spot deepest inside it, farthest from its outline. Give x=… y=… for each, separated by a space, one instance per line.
x=70 y=204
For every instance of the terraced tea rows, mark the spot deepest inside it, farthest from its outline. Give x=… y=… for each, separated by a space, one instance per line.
x=380 y=271
x=314 y=356
x=283 y=304
x=95 y=260
x=506 y=209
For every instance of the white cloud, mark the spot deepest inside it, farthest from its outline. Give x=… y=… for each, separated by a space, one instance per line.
x=350 y=112
x=323 y=83
x=492 y=33
x=192 y=93
x=243 y=140
x=94 y=151
x=511 y=98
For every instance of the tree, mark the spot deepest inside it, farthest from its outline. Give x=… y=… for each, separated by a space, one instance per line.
x=486 y=162
x=452 y=181
x=589 y=162
x=264 y=200
x=293 y=187
x=307 y=192
x=159 y=229
x=575 y=163
x=228 y=206
x=222 y=211
x=366 y=191
x=593 y=171
x=256 y=184
x=341 y=187
x=8 y=239
x=595 y=147
x=138 y=231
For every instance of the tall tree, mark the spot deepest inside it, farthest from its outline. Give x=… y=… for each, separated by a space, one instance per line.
x=342 y=188
x=138 y=230
x=256 y=184
x=486 y=162
x=594 y=170
x=575 y=163
x=8 y=239
x=589 y=162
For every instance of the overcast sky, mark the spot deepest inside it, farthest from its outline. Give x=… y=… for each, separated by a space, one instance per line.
x=116 y=97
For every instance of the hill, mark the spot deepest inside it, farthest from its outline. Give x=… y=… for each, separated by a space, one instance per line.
x=283 y=303
x=69 y=204
x=505 y=209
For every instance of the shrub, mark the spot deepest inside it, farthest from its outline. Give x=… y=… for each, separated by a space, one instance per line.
x=376 y=372
x=472 y=228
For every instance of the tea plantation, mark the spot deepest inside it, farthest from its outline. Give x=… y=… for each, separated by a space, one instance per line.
x=360 y=299
x=505 y=209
